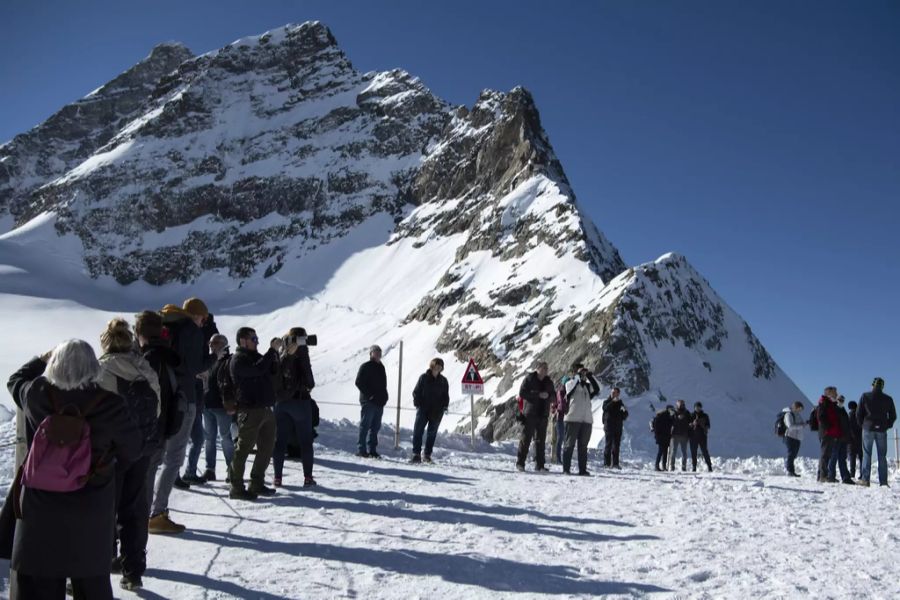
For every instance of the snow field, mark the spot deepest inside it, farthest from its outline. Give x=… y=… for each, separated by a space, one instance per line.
x=471 y=527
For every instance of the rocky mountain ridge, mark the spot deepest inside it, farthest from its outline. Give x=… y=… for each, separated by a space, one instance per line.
x=256 y=160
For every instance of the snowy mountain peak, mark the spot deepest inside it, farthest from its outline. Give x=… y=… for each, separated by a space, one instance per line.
x=273 y=178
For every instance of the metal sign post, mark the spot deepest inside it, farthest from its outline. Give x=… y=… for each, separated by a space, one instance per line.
x=472 y=384
x=399 y=390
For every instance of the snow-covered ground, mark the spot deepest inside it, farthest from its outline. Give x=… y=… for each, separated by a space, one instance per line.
x=471 y=527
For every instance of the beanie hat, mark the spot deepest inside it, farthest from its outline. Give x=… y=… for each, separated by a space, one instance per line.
x=196 y=307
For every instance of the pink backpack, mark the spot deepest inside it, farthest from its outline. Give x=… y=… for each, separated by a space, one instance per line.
x=59 y=459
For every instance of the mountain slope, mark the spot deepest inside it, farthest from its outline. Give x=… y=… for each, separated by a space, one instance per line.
x=286 y=188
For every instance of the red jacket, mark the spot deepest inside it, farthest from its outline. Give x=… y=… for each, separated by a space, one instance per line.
x=829 y=422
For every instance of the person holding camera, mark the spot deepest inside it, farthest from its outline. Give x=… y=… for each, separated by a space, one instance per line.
x=216 y=420
x=431 y=397
x=700 y=435
x=371 y=381
x=251 y=373
x=537 y=391
x=293 y=413
x=580 y=391
x=614 y=415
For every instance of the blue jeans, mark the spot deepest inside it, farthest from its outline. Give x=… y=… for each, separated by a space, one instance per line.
x=217 y=423
x=423 y=419
x=560 y=436
x=369 y=425
x=839 y=458
x=197 y=438
x=293 y=423
x=879 y=438
x=793 y=449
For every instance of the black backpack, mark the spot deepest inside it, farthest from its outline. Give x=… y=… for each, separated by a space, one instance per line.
x=814 y=419
x=227 y=389
x=780 y=427
x=143 y=404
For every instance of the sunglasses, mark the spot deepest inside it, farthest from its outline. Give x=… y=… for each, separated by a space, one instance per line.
x=255 y=340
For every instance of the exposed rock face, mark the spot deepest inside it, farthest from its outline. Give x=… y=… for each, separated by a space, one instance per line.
x=245 y=160
x=79 y=129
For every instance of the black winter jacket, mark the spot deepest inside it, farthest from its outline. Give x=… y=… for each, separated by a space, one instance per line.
x=188 y=342
x=699 y=425
x=662 y=426
x=432 y=394
x=296 y=375
x=165 y=362
x=681 y=423
x=371 y=381
x=844 y=418
x=614 y=415
x=530 y=391
x=252 y=375
x=855 y=428
x=212 y=396
x=876 y=411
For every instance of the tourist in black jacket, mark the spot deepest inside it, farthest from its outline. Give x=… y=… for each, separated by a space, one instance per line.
x=681 y=434
x=662 y=432
x=371 y=381
x=431 y=397
x=252 y=375
x=614 y=415
x=537 y=392
x=699 y=435
x=876 y=414
x=854 y=447
x=216 y=420
x=293 y=413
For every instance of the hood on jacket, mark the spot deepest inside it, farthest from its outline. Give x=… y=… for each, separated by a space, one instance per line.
x=128 y=366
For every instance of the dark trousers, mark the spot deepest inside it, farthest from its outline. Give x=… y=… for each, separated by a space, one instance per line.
x=198 y=442
x=536 y=428
x=423 y=420
x=611 y=448
x=854 y=451
x=577 y=434
x=26 y=587
x=256 y=427
x=793 y=449
x=132 y=514
x=293 y=420
x=370 y=415
x=838 y=460
x=662 y=453
x=700 y=441
x=827 y=447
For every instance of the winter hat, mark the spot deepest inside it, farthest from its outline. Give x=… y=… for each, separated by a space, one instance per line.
x=196 y=307
x=878 y=383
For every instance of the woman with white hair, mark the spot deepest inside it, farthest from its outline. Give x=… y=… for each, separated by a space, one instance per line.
x=68 y=535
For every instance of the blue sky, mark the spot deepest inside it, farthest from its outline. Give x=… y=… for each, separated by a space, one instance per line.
x=760 y=139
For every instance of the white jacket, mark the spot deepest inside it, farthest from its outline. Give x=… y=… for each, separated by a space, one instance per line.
x=580 y=392
x=794 y=424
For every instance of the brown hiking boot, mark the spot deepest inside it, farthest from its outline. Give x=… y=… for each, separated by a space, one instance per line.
x=162 y=524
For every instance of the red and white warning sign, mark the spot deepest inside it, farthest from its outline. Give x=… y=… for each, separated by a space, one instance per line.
x=472 y=383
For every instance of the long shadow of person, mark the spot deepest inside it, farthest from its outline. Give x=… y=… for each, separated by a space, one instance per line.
x=490 y=573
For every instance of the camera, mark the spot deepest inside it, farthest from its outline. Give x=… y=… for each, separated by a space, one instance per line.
x=301 y=340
